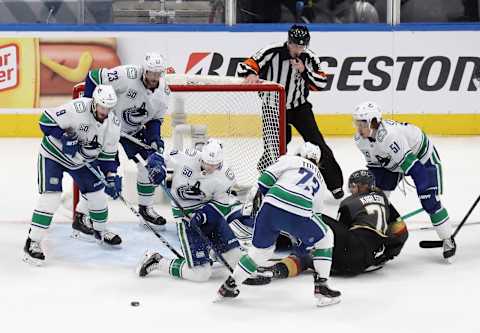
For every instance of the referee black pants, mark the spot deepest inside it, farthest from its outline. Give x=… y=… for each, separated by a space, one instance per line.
x=303 y=120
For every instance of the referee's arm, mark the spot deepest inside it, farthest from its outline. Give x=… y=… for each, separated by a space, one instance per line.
x=254 y=64
x=313 y=75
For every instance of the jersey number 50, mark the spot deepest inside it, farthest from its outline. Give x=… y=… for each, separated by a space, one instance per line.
x=311 y=182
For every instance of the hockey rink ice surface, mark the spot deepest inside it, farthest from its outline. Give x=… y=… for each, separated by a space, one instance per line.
x=86 y=288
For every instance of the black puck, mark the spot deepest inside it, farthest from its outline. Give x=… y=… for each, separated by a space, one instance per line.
x=134 y=303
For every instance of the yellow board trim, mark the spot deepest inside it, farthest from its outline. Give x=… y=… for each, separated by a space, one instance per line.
x=26 y=125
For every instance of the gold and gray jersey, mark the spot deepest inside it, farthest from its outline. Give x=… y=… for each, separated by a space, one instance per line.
x=396 y=146
x=96 y=140
x=136 y=105
x=193 y=188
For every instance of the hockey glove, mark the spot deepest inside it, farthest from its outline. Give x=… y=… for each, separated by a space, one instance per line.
x=69 y=144
x=156 y=168
x=158 y=145
x=114 y=187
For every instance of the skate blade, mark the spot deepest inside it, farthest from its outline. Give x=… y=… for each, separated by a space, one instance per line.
x=32 y=261
x=107 y=246
x=154 y=226
x=82 y=237
x=450 y=260
x=326 y=301
x=220 y=299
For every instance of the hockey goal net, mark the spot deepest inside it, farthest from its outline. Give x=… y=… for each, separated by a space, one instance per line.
x=248 y=118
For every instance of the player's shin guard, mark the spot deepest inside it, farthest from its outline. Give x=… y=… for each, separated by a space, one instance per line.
x=145 y=188
x=146 y=192
x=42 y=215
x=41 y=219
x=98 y=213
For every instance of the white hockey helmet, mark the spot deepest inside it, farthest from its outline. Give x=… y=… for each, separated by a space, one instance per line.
x=367 y=111
x=311 y=152
x=104 y=96
x=154 y=62
x=212 y=152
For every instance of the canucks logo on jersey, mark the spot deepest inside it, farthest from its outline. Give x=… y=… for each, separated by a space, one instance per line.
x=191 y=192
x=134 y=116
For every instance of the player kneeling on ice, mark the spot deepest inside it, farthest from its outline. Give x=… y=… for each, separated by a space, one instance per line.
x=291 y=196
x=200 y=184
x=81 y=132
x=393 y=150
x=142 y=102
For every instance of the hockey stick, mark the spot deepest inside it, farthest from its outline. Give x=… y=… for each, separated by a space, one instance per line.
x=439 y=243
x=409 y=215
x=136 y=141
x=197 y=228
x=100 y=177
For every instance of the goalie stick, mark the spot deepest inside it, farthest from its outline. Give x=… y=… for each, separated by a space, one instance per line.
x=100 y=177
x=439 y=243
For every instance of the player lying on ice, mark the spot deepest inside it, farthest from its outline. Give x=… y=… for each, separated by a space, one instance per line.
x=291 y=196
x=142 y=102
x=79 y=132
x=392 y=150
x=368 y=233
x=201 y=184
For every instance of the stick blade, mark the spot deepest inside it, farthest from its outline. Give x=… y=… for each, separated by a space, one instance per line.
x=430 y=244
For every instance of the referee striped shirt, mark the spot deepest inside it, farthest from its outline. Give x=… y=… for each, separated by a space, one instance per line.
x=272 y=63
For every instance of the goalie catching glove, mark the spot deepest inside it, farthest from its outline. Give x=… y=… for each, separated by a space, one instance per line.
x=156 y=168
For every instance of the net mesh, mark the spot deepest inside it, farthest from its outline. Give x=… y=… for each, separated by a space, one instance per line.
x=247 y=122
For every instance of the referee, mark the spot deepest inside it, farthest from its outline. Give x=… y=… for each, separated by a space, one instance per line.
x=297 y=68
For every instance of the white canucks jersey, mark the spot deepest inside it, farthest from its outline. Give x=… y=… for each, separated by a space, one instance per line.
x=136 y=105
x=96 y=140
x=193 y=188
x=293 y=184
x=396 y=146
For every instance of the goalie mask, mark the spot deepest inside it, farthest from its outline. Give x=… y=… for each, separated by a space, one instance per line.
x=212 y=155
x=104 y=100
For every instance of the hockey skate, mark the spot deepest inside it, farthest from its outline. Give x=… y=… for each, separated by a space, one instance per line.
x=106 y=237
x=149 y=215
x=149 y=263
x=33 y=253
x=228 y=289
x=449 y=249
x=82 y=227
x=325 y=296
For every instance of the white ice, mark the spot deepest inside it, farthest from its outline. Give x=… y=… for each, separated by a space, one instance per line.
x=86 y=288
